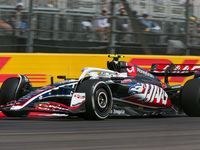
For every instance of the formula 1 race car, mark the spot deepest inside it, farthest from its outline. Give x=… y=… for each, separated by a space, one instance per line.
x=123 y=89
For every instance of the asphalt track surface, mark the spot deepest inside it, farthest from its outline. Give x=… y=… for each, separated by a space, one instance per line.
x=60 y=133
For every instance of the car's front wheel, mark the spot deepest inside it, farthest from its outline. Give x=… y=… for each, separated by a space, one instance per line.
x=98 y=99
x=10 y=90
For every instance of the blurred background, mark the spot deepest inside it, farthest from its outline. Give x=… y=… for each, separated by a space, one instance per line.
x=158 y=27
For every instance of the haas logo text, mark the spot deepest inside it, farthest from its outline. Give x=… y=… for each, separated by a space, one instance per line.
x=148 y=93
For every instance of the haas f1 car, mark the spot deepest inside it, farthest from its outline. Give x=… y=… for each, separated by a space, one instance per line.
x=124 y=89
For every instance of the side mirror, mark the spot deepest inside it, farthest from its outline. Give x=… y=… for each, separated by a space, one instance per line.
x=61 y=77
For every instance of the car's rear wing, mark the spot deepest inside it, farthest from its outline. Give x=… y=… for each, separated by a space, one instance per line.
x=174 y=69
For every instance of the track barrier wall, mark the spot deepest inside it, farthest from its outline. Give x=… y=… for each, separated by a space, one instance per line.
x=40 y=67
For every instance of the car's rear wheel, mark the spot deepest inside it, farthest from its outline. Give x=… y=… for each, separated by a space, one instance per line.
x=98 y=99
x=10 y=90
x=190 y=97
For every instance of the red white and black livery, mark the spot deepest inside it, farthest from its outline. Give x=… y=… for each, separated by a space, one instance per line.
x=123 y=89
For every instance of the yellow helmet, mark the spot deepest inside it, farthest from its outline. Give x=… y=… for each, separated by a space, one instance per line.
x=193 y=18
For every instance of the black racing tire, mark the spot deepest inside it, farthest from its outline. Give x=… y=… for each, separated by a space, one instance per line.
x=98 y=99
x=8 y=93
x=190 y=98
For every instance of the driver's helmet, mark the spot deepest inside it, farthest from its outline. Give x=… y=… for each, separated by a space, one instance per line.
x=104 y=74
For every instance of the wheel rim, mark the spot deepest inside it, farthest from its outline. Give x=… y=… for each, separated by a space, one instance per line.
x=102 y=100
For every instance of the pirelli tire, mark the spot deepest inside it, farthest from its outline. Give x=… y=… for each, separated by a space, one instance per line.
x=98 y=99
x=10 y=90
x=190 y=98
